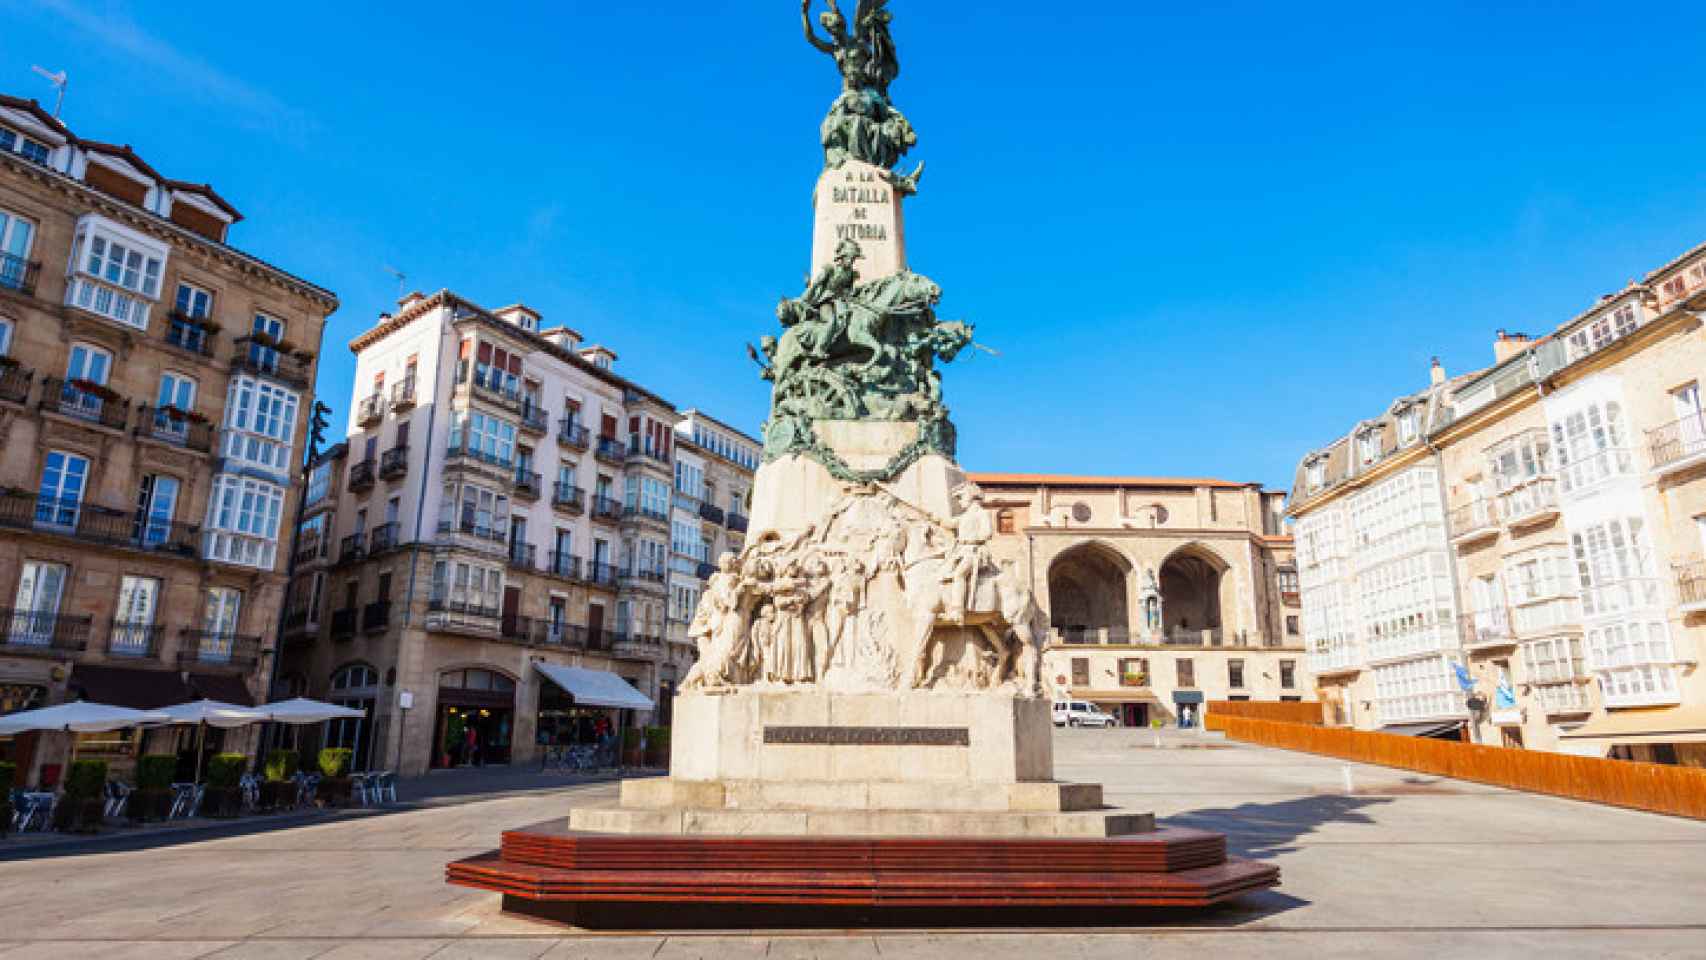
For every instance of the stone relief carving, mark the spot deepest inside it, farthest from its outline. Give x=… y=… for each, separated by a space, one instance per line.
x=875 y=595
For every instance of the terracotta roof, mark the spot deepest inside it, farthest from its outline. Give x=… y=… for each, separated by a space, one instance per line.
x=125 y=153
x=36 y=110
x=1063 y=480
x=206 y=190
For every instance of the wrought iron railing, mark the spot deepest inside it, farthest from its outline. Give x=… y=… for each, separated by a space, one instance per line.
x=524 y=556
x=529 y=484
x=21 y=509
x=1684 y=439
x=568 y=497
x=48 y=633
x=394 y=463
x=737 y=522
x=403 y=394
x=103 y=407
x=217 y=648
x=641 y=512
x=362 y=476
x=19 y=274
x=370 y=410
x=15 y=381
x=712 y=513
x=572 y=434
x=174 y=426
x=376 y=616
x=353 y=549
x=610 y=449
x=264 y=358
x=606 y=508
x=384 y=538
x=139 y=641
x=189 y=333
x=343 y=623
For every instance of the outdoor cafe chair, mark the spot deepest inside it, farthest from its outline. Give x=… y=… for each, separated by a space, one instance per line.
x=118 y=797
x=34 y=808
x=359 y=784
x=388 y=787
x=186 y=800
x=251 y=790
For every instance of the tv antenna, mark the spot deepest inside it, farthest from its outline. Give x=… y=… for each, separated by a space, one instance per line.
x=402 y=279
x=59 y=80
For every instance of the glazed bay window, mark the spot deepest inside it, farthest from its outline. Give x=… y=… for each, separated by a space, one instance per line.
x=115 y=271
x=1608 y=328
x=1552 y=660
x=1517 y=460
x=483 y=436
x=1615 y=566
x=319 y=482
x=260 y=421
x=465 y=588
x=1424 y=689
x=242 y=521
x=473 y=509
x=1592 y=445
x=1634 y=661
x=31 y=149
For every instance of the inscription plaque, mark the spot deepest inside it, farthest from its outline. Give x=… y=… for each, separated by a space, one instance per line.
x=871 y=736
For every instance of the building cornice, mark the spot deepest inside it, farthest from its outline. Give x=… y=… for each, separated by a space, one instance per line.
x=1403 y=458
x=165 y=229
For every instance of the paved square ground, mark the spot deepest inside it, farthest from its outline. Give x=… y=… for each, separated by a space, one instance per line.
x=1401 y=865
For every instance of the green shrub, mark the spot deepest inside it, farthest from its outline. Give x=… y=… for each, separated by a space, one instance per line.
x=88 y=779
x=335 y=761
x=657 y=738
x=8 y=778
x=631 y=738
x=225 y=771
x=281 y=765
x=155 y=771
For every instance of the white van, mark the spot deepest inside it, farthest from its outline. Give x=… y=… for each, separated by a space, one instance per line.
x=1077 y=713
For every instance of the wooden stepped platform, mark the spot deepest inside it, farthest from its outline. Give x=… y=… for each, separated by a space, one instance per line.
x=555 y=873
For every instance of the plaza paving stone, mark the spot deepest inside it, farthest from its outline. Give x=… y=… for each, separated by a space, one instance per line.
x=1403 y=865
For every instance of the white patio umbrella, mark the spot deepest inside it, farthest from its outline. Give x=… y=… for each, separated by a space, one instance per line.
x=303 y=711
x=79 y=717
x=211 y=713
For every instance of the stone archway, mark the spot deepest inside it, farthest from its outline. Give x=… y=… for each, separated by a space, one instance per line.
x=1190 y=595
x=1087 y=587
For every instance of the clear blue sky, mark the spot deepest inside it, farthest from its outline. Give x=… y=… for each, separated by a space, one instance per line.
x=1204 y=240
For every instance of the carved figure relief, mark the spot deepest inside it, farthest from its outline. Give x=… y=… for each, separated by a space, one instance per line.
x=876 y=595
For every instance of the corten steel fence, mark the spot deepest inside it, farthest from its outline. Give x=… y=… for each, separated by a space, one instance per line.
x=1283 y=711
x=1656 y=788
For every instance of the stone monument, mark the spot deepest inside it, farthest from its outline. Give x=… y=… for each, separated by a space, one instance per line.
x=868 y=674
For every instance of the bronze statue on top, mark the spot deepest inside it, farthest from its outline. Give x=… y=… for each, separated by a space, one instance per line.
x=862 y=123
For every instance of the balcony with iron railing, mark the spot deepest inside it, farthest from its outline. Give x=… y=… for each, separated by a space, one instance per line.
x=1407 y=641
x=1533 y=502
x=180 y=428
x=646 y=449
x=461 y=452
x=384 y=538
x=79 y=519
x=458 y=616
x=524 y=556
x=1474 y=521
x=191 y=334
x=82 y=400
x=606 y=508
x=1083 y=636
x=483 y=528
x=296 y=624
x=1588 y=472
x=711 y=513
x=311 y=547
x=362 y=476
x=403 y=394
x=15 y=381
x=262 y=357
x=43 y=634
x=572 y=435
x=568 y=498
x=1338 y=658
x=134 y=641
x=394 y=463
x=376 y=617
x=636 y=576
x=737 y=522
x=493 y=386
x=1486 y=629
x=211 y=648
x=528 y=485
x=626 y=645
x=353 y=549
x=19 y=275
x=343 y=623
x=1678 y=446
x=533 y=419
x=610 y=450
x=566 y=566
x=601 y=574
x=639 y=512
x=371 y=410
x=1691 y=585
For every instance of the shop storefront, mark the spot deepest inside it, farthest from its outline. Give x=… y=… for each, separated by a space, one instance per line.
x=581 y=706
x=475 y=725
x=1188 y=704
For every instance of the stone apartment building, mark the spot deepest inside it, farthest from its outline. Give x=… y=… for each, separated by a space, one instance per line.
x=1540 y=524
x=1163 y=593
x=505 y=503
x=154 y=384
x=714 y=467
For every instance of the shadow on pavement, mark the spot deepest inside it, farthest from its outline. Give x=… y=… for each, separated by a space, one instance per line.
x=1264 y=830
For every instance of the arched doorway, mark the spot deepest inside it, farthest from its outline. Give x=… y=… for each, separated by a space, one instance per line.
x=1190 y=595
x=476 y=718
x=1087 y=595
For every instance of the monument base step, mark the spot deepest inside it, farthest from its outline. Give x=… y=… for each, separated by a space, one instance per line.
x=679 y=821
x=826 y=795
x=592 y=879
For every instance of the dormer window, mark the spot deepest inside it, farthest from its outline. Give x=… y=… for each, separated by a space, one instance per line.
x=34 y=151
x=1407 y=425
x=1317 y=474
x=1368 y=445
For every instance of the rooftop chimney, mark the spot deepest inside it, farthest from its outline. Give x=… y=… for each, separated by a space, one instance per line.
x=409 y=298
x=1436 y=373
x=1509 y=345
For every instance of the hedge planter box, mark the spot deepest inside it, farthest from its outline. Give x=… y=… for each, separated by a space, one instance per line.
x=334 y=791
x=148 y=806
x=278 y=794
